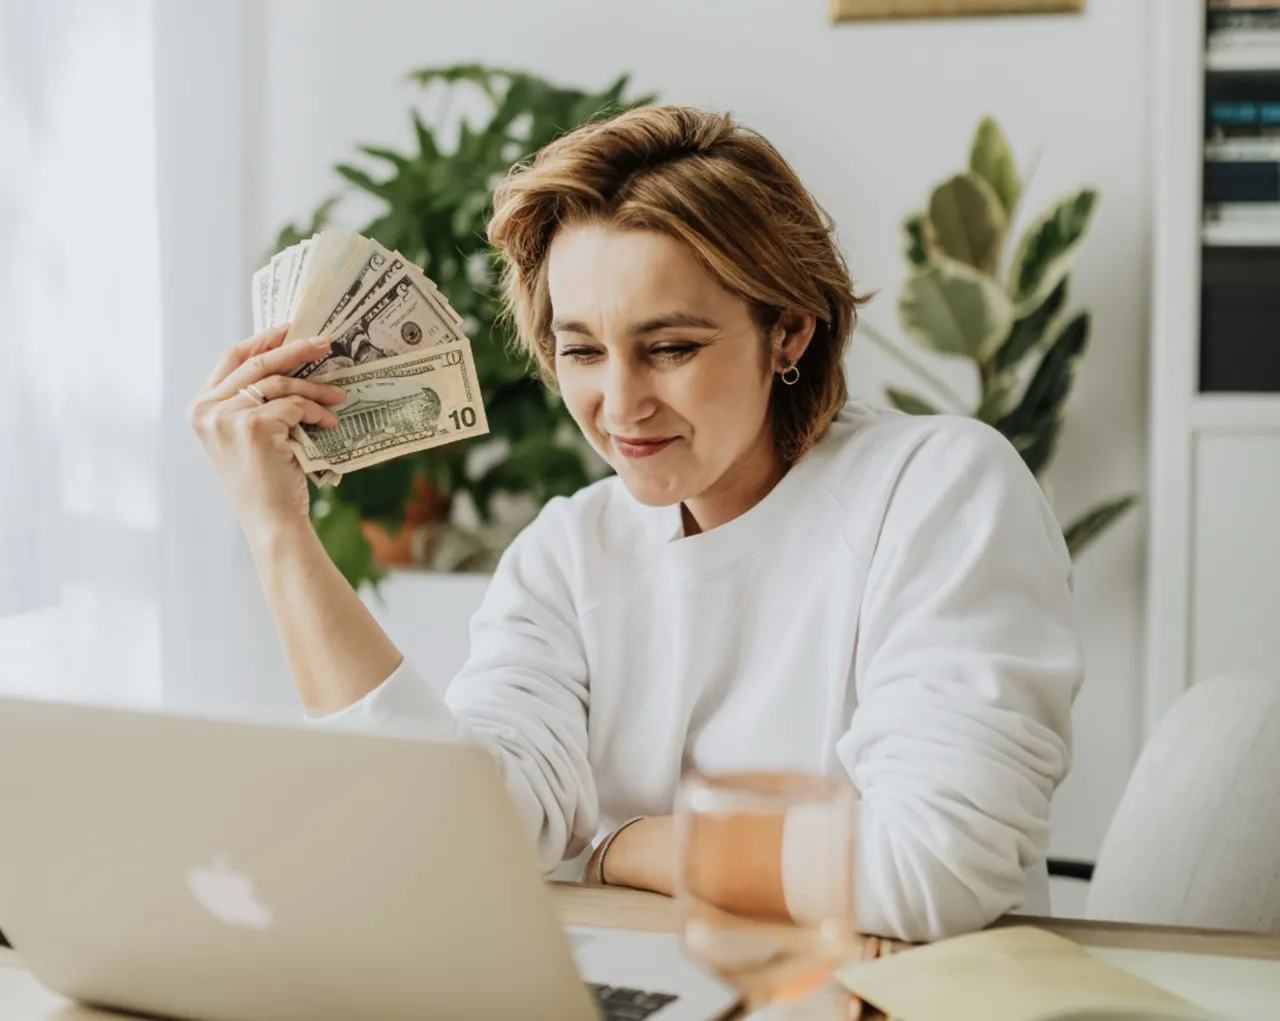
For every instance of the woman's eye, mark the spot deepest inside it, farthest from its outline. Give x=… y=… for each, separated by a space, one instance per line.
x=579 y=354
x=674 y=352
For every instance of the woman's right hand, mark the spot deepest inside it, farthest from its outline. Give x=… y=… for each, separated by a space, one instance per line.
x=247 y=440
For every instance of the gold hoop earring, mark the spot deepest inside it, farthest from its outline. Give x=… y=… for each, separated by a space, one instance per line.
x=790 y=374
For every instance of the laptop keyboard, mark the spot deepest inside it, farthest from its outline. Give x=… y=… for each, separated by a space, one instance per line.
x=618 y=1003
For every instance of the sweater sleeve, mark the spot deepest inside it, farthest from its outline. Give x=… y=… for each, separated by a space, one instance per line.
x=967 y=664
x=523 y=692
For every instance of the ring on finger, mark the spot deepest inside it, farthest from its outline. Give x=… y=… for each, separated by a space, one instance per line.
x=251 y=391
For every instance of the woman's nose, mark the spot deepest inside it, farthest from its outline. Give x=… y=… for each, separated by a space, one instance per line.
x=627 y=395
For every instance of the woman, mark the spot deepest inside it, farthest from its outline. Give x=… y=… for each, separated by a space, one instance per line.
x=775 y=577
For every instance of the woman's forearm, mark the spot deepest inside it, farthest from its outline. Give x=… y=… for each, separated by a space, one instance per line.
x=737 y=864
x=642 y=856
x=336 y=650
x=757 y=866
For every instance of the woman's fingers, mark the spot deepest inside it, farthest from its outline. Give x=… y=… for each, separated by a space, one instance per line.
x=238 y=354
x=287 y=400
x=294 y=410
x=278 y=361
x=275 y=387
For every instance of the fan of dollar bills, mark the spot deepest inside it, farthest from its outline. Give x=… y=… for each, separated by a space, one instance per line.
x=397 y=349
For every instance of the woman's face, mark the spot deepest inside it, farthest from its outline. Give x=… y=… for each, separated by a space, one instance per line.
x=663 y=369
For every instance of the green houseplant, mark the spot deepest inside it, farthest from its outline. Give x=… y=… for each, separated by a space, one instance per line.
x=1010 y=324
x=434 y=203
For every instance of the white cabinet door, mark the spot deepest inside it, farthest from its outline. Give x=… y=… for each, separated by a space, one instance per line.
x=1235 y=581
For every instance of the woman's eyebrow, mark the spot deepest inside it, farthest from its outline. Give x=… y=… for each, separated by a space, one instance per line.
x=570 y=326
x=675 y=319
x=668 y=321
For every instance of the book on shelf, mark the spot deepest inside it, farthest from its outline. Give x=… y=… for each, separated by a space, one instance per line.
x=1239 y=35
x=1244 y=133
x=1262 y=22
x=1243 y=149
x=1243 y=44
x=1243 y=214
x=1242 y=181
x=1256 y=236
x=1244 y=109
x=1241 y=5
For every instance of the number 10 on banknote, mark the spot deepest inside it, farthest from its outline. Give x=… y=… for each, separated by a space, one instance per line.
x=396 y=406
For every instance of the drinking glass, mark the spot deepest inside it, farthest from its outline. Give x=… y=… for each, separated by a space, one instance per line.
x=735 y=833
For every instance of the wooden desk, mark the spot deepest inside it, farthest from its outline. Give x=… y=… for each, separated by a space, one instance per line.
x=23 y=999
x=631 y=909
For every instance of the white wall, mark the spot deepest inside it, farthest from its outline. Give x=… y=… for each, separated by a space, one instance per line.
x=871 y=115
x=219 y=647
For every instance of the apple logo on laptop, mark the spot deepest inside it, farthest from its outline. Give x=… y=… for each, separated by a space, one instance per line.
x=227 y=895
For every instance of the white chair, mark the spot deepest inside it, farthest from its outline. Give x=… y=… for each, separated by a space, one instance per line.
x=1196 y=837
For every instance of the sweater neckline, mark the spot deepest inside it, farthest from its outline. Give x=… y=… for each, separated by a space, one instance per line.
x=696 y=556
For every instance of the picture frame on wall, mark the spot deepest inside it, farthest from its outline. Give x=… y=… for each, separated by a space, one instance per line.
x=866 y=10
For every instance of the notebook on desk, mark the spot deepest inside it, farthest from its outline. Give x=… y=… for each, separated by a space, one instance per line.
x=1023 y=973
x=1231 y=988
x=241 y=871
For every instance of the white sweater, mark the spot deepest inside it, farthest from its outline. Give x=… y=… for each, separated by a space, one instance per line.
x=897 y=610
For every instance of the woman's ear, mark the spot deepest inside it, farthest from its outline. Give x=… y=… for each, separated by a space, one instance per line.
x=791 y=335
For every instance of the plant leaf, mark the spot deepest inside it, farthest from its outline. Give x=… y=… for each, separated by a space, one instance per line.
x=953 y=309
x=1033 y=426
x=909 y=402
x=401 y=163
x=427 y=147
x=361 y=179
x=1048 y=248
x=913 y=246
x=1093 y=522
x=993 y=405
x=379 y=496
x=966 y=222
x=1029 y=331
x=337 y=523
x=291 y=233
x=990 y=159
x=490 y=79
x=537 y=465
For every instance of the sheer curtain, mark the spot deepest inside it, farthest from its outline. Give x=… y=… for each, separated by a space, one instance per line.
x=80 y=395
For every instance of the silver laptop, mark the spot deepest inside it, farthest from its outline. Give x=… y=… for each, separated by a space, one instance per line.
x=235 y=871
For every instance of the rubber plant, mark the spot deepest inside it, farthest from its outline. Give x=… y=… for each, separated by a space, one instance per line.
x=433 y=203
x=1006 y=314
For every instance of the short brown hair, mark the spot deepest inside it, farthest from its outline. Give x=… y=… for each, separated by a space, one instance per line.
x=722 y=189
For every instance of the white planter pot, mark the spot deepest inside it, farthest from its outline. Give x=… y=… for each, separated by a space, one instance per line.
x=428 y=616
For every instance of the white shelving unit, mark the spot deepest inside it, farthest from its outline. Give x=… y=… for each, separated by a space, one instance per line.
x=1235 y=413
x=1214 y=542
